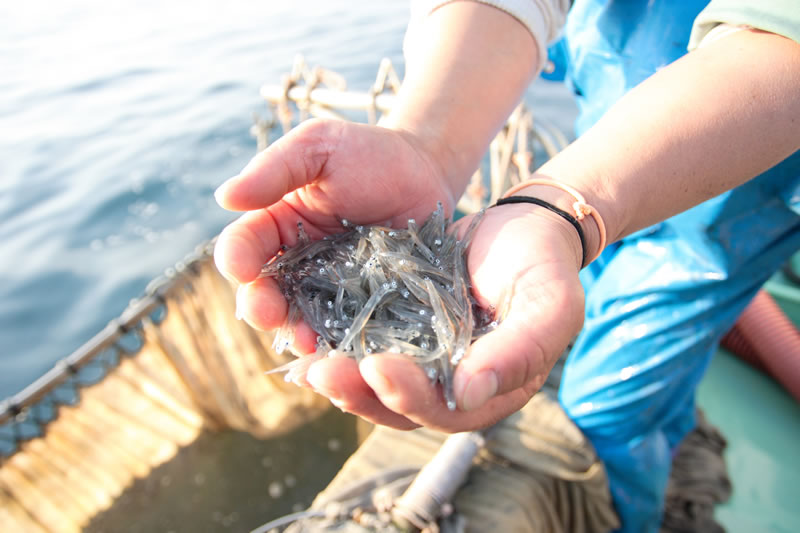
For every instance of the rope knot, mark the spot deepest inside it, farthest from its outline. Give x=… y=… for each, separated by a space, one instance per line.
x=581 y=210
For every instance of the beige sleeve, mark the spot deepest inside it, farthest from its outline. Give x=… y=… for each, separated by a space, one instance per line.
x=781 y=17
x=543 y=19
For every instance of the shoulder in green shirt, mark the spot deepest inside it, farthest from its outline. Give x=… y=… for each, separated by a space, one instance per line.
x=775 y=16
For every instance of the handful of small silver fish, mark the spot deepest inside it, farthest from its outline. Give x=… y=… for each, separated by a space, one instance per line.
x=375 y=289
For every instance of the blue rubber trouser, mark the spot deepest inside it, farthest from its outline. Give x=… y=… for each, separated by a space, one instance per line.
x=657 y=305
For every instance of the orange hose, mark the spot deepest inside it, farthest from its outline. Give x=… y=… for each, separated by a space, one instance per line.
x=737 y=343
x=765 y=337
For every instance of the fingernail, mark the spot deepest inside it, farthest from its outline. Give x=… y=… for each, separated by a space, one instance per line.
x=479 y=389
x=220 y=256
x=339 y=403
x=219 y=194
x=227 y=275
x=240 y=302
x=301 y=381
x=315 y=380
x=374 y=378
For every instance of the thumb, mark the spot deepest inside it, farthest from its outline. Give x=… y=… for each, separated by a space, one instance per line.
x=294 y=160
x=522 y=349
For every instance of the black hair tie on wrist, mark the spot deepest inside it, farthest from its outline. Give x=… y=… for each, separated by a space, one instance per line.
x=547 y=205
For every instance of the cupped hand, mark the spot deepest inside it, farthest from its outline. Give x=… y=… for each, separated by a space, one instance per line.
x=519 y=251
x=320 y=173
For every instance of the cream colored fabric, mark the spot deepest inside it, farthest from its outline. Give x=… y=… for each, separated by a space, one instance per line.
x=775 y=16
x=543 y=19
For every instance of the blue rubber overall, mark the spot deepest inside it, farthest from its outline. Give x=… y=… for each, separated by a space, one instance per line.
x=659 y=301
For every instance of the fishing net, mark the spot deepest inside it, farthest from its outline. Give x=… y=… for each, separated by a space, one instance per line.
x=185 y=366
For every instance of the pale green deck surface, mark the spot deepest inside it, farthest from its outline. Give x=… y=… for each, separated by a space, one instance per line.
x=762 y=424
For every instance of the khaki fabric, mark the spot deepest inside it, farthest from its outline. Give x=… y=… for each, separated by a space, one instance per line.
x=537 y=473
x=698 y=482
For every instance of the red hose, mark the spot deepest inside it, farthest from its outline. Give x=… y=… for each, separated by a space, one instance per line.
x=766 y=338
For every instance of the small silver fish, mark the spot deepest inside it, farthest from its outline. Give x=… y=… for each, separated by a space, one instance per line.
x=375 y=289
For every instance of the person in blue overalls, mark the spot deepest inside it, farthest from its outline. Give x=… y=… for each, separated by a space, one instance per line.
x=684 y=183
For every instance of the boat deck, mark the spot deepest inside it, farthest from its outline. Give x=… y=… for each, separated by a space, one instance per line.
x=761 y=422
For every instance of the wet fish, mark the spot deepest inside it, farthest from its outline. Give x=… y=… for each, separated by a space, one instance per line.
x=375 y=289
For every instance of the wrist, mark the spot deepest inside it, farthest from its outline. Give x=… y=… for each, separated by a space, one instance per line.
x=588 y=226
x=428 y=142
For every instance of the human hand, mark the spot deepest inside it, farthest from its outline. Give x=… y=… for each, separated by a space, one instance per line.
x=320 y=173
x=518 y=249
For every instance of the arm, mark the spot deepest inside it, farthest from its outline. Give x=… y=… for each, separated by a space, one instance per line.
x=708 y=122
x=469 y=66
x=677 y=139
x=476 y=62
